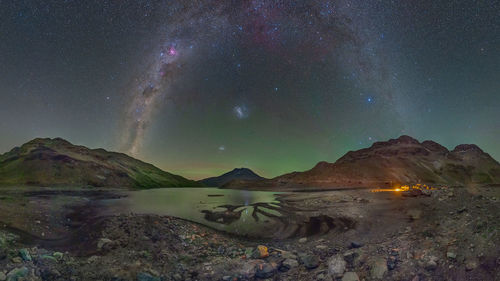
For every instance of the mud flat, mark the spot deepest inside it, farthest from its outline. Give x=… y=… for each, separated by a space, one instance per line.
x=448 y=234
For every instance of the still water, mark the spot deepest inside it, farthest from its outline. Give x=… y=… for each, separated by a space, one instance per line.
x=235 y=211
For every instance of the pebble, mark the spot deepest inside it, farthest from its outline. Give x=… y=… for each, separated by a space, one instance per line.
x=414 y=214
x=102 y=242
x=48 y=257
x=451 y=255
x=260 y=252
x=303 y=240
x=356 y=244
x=58 y=255
x=320 y=276
x=143 y=276
x=431 y=263
x=470 y=265
x=391 y=262
x=321 y=247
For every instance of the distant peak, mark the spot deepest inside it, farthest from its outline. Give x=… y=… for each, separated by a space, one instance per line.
x=322 y=164
x=434 y=146
x=404 y=139
x=235 y=174
x=467 y=147
x=49 y=141
x=407 y=139
x=241 y=169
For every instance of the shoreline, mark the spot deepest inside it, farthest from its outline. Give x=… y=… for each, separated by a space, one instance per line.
x=401 y=238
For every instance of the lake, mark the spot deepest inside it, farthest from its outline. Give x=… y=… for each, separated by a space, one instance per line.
x=236 y=211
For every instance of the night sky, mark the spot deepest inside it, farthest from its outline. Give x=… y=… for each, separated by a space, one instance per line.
x=200 y=87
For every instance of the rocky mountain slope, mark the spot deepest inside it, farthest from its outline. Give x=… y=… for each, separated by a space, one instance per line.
x=236 y=174
x=398 y=161
x=56 y=162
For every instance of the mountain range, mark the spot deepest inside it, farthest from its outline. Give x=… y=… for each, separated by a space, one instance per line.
x=236 y=174
x=57 y=162
x=404 y=160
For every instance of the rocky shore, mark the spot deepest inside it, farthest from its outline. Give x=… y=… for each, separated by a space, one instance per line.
x=451 y=234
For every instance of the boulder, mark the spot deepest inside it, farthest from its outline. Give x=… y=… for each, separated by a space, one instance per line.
x=310 y=261
x=288 y=255
x=352 y=257
x=249 y=268
x=17 y=273
x=289 y=264
x=265 y=270
x=350 y=276
x=378 y=268
x=336 y=266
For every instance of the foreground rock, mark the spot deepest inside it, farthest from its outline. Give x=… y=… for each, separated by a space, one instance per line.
x=350 y=276
x=336 y=266
x=378 y=268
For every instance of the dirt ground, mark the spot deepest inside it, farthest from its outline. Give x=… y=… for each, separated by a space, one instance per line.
x=447 y=234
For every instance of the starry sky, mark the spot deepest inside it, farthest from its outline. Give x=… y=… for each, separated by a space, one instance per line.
x=200 y=87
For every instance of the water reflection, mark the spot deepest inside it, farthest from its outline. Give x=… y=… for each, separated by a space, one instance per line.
x=248 y=213
x=237 y=211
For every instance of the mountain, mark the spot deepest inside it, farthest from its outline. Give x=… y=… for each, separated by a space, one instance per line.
x=56 y=162
x=236 y=174
x=398 y=161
